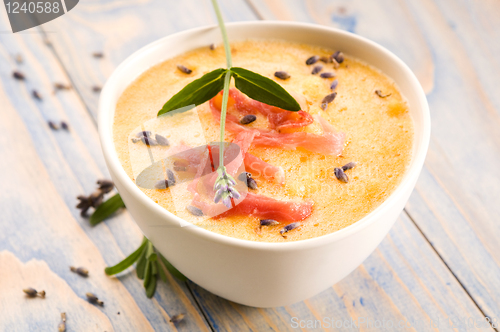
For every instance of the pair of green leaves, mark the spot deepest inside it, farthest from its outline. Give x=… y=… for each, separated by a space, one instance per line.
x=150 y=265
x=254 y=85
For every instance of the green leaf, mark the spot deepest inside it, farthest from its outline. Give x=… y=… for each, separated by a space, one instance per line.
x=150 y=290
x=106 y=209
x=263 y=89
x=161 y=272
x=196 y=92
x=124 y=264
x=173 y=271
x=141 y=264
x=147 y=275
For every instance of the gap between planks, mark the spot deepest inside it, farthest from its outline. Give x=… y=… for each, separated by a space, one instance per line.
x=449 y=269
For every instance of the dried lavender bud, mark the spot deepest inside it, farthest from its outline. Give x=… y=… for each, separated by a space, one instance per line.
x=334 y=84
x=80 y=270
x=64 y=125
x=212 y=46
x=348 y=166
x=184 y=69
x=289 y=227
x=84 y=205
x=252 y=184
x=194 y=210
x=338 y=56
x=30 y=292
x=268 y=222
x=381 y=95
x=340 y=175
x=52 y=125
x=164 y=184
x=18 y=75
x=327 y=100
x=244 y=176
x=105 y=185
x=327 y=75
x=62 y=325
x=135 y=140
x=149 y=141
x=19 y=59
x=96 y=88
x=317 y=69
x=36 y=95
x=163 y=141
x=98 y=55
x=93 y=299
x=248 y=119
x=145 y=133
x=61 y=86
x=325 y=59
x=177 y=318
x=312 y=60
x=282 y=75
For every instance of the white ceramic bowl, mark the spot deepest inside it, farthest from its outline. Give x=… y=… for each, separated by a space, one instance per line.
x=253 y=273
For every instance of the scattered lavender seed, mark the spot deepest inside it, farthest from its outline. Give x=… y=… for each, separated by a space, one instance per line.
x=252 y=184
x=93 y=299
x=184 y=69
x=98 y=55
x=334 y=84
x=244 y=176
x=149 y=141
x=325 y=59
x=327 y=75
x=105 y=185
x=316 y=69
x=163 y=141
x=64 y=125
x=212 y=46
x=166 y=183
x=52 y=125
x=268 y=222
x=338 y=56
x=19 y=59
x=379 y=93
x=327 y=100
x=80 y=271
x=145 y=133
x=247 y=119
x=62 y=325
x=135 y=140
x=282 y=75
x=194 y=210
x=96 y=88
x=348 y=166
x=177 y=318
x=36 y=95
x=61 y=86
x=312 y=60
x=289 y=227
x=340 y=175
x=31 y=292
x=18 y=75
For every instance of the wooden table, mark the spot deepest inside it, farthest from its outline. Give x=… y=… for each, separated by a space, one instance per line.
x=439 y=264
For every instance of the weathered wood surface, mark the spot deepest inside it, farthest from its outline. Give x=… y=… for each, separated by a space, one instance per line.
x=452 y=48
x=441 y=264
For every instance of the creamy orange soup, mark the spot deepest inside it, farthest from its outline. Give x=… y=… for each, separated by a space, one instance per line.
x=379 y=135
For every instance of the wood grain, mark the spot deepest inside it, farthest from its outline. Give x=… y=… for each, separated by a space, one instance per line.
x=42 y=172
x=456 y=203
x=450 y=46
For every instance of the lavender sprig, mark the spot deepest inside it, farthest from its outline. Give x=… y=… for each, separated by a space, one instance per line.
x=224 y=188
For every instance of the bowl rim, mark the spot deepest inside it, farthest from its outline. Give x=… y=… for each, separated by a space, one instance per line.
x=114 y=165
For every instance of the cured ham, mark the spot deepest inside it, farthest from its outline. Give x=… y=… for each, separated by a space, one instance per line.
x=269 y=208
x=330 y=143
